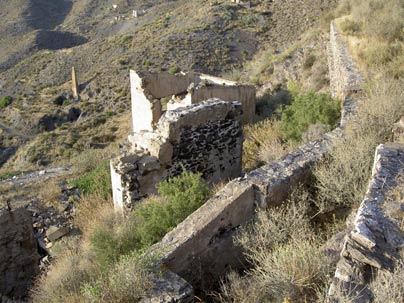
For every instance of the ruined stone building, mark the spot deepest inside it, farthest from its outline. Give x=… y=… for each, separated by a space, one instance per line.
x=199 y=130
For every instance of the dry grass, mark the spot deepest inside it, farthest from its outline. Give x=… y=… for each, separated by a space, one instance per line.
x=293 y=272
x=64 y=279
x=376 y=34
x=342 y=179
x=287 y=258
x=97 y=268
x=388 y=286
x=91 y=158
x=89 y=209
x=277 y=226
x=263 y=143
x=50 y=193
x=128 y=281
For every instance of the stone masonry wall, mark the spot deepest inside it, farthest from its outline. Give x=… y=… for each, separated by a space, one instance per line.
x=375 y=240
x=201 y=248
x=18 y=253
x=148 y=90
x=345 y=79
x=205 y=137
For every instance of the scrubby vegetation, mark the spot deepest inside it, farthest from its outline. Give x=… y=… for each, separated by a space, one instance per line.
x=305 y=116
x=307 y=109
x=97 y=180
x=5 y=101
x=107 y=264
x=375 y=35
x=376 y=29
x=286 y=254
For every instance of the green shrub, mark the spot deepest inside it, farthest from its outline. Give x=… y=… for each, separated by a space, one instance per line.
x=97 y=180
x=5 y=101
x=127 y=38
x=179 y=197
x=174 y=69
x=8 y=174
x=306 y=109
x=150 y=220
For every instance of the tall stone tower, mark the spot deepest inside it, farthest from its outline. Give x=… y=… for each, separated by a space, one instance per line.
x=75 y=85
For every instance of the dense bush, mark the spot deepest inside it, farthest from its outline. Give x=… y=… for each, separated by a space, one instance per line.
x=307 y=109
x=150 y=220
x=97 y=181
x=179 y=197
x=5 y=101
x=303 y=115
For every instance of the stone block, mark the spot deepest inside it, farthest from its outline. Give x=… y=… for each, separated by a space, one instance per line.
x=54 y=233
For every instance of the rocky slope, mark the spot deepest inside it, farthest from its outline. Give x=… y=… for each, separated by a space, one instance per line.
x=42 y=40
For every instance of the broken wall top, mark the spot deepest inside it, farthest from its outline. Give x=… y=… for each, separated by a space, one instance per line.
x=147 y=90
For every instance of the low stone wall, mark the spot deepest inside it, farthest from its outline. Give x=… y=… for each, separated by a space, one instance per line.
x=205 y=138
x=18 y=253
x=345 y=78
x=346 y=81
x=375 y=240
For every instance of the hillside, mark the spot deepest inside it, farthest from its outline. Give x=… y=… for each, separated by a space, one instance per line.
x=55 y=150
x=43 y=41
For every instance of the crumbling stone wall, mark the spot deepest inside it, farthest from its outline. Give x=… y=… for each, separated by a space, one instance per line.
x=375 y=240
x=19 y=258
x=243 y=93
x=205 y=137
x=345 y=79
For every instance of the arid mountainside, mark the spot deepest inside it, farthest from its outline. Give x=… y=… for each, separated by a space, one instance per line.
x=42 y=40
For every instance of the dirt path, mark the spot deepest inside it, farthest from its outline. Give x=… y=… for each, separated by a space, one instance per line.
x=37 y=175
